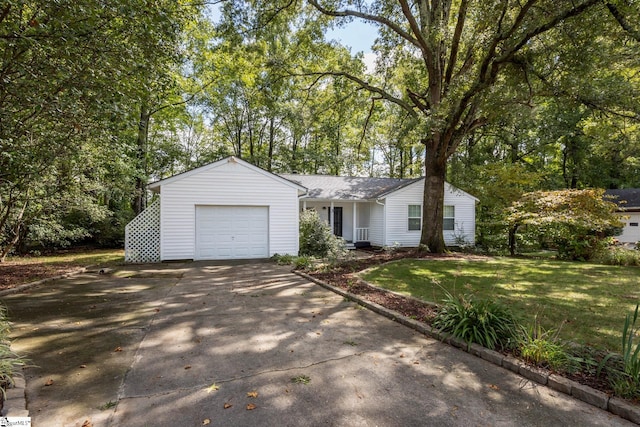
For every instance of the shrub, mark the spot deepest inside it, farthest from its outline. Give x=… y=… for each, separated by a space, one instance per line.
x=9 y=361
x=283 y=259
x=316 y=238
x=483 y=322
x=618 y=255
x=576 y=222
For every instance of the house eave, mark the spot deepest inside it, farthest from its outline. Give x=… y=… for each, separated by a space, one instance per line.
x=334 y=200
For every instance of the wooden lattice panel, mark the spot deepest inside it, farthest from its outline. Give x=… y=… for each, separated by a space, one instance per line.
x=142 y=236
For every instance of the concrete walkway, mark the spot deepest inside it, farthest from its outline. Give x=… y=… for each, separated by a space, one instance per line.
x=243 y=344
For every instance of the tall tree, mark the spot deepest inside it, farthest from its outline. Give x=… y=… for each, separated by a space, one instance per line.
x=460 y=59
x=71 y=73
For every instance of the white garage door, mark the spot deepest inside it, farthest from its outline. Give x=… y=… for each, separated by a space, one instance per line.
x=232 y=232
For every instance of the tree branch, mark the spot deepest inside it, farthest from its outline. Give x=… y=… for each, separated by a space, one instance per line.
x=366 y=124
x=569 y=13
x=424 y=46
x=633 y=32
x=365 y=85
x=367 y=17
x=455 y=42
x=185 y=101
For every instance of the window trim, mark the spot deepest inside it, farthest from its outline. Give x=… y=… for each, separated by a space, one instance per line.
x=453 y=218
x=409 y=218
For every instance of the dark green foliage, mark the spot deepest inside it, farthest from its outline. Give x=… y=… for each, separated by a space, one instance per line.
x=483 y=322
x=316 y=238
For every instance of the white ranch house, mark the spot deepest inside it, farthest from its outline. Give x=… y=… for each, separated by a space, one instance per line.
x=231 y=209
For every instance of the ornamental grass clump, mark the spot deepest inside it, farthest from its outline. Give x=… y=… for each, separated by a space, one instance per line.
x=10 y=362
x=543 y=348
x=626 y=381
x=483 y=322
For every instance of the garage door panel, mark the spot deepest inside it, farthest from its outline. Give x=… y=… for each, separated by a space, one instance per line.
x=228 y=232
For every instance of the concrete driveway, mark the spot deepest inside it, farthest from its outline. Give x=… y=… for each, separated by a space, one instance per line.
x=241 y=344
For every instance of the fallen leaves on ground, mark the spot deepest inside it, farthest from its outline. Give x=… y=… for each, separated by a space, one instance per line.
x=213 y=387
x=227 y=405
x=187 y=367
x=252 y=394
x=87 y=423
x=206 y=421
x=117 y=349
x=494 y=387
x=48 y=382
x=251 y=407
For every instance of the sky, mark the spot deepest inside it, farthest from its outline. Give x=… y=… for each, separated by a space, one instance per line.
x=359 y=36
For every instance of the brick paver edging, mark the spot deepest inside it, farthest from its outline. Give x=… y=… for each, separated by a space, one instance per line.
x=615 y=405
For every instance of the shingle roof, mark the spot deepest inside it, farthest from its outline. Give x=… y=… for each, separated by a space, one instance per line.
x=629 y=195
x=347 y=187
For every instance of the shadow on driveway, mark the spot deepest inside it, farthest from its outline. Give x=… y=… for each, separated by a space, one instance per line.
x=251 y=344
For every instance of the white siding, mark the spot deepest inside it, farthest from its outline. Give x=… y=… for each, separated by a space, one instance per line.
x=397 y=205
x=630 y=233
x=228 y=184
x=376 y=224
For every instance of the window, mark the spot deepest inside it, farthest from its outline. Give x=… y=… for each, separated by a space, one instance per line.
x=633 y=224
x=415 y=217
x=449 y=217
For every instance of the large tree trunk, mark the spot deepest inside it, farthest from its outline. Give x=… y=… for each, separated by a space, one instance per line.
x=433 y=202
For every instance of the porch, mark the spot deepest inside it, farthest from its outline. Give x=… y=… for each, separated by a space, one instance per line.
x=348 y=219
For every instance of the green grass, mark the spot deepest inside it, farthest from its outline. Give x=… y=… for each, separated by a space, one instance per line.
x=588 y=302
x=75 y=257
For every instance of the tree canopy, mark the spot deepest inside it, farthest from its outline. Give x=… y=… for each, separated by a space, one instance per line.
x=499 y=97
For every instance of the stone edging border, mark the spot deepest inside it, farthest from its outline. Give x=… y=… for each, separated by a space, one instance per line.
x=615 y=405
x=15 y=403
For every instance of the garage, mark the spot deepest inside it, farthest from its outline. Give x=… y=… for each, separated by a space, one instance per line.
x=232 y=232
x=229 y=209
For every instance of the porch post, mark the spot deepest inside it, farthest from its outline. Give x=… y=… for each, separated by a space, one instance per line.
x=304 y=205
x=331 y=217
x=355 y=216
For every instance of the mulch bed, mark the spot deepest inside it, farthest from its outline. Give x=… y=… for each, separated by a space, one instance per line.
x=344 y=276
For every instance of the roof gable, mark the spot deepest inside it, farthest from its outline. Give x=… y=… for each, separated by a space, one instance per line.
x=156 y=186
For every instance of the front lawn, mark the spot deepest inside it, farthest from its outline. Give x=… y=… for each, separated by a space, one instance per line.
x=588 y=302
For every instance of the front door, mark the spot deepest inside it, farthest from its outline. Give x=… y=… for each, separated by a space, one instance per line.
x=337 y=221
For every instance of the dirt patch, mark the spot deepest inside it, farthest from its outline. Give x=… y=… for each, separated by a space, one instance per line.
x=13 y=274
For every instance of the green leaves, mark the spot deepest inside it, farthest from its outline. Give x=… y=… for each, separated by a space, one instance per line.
x=576 y=222
x=483 y=322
